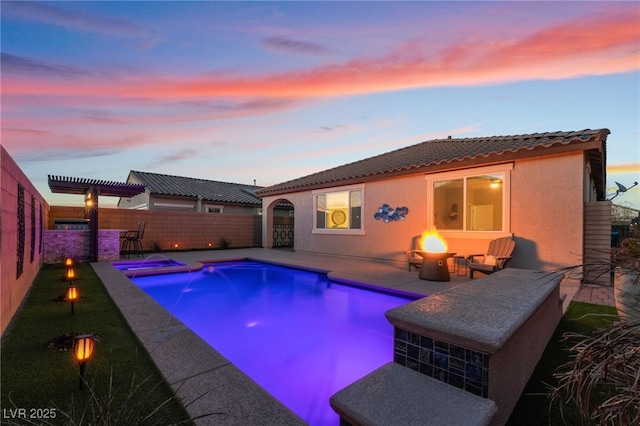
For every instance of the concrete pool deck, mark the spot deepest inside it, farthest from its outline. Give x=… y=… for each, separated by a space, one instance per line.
x=207 y=383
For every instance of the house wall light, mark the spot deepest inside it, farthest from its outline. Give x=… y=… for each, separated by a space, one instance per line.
x=82 y=351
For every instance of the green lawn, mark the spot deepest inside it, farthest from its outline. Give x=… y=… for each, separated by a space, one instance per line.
x=123 y=384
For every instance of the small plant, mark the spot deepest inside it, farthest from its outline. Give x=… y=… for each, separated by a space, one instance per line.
x=224 y=243
x=129 y=405
x=628 y=255
x=602 y=379
x=104 y=410
x=65 y=341
x=156 y=247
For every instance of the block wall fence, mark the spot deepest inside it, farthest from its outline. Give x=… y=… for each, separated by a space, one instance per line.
x=164 y=228
x=22 y=219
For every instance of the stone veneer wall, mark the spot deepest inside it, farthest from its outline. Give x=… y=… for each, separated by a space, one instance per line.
x=60 y=244
x=23 y=215
x=456 y=365
x=164 y=228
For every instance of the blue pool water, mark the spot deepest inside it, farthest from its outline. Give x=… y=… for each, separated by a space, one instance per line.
x=299 y=335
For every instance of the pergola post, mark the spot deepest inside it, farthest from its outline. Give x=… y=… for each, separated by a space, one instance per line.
x=91 y=213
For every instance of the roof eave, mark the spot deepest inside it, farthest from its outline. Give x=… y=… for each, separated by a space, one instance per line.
x=447 y=165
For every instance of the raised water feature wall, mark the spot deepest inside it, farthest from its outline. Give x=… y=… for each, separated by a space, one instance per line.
x=488 y=334
x=484 y=337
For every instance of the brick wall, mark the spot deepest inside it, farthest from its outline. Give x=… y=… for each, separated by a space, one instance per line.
x=164 y=229
x=22 y=218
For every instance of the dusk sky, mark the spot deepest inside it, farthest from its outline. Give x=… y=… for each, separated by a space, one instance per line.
x=272 y=91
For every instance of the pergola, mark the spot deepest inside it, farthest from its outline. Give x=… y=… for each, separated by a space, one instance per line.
x=92 y=189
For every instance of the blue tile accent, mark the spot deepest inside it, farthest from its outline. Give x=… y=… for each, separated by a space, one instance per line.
x=453 y=364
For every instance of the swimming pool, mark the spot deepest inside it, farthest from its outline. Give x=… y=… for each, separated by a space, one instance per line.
x=299 y=335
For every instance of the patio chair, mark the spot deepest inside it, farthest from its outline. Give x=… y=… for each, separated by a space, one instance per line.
x=413 y=258
x=132 y=240
x=497 y=255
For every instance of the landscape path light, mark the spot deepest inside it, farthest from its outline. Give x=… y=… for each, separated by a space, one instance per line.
x=71 y=275
x=72 y=295
x=82 y=351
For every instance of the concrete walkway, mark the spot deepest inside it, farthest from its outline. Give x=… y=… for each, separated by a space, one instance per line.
x=597 y=294
x=208 y=383
x=382 y=273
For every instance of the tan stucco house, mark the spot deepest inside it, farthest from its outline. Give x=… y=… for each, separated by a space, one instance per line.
x=541 y=189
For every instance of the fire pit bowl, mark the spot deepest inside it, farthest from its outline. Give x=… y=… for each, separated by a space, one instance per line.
x=434 y=266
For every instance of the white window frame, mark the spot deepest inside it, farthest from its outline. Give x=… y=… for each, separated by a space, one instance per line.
x=210 y=207
x=348 y=188
x=468 y=173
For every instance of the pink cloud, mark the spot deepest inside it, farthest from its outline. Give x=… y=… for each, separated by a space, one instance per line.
x=595 y=45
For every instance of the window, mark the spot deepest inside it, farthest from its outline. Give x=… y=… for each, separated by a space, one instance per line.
x=339 y=210
x=214 y=209
x=462 y=201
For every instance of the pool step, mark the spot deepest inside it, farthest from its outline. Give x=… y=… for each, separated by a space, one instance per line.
x=396 y=395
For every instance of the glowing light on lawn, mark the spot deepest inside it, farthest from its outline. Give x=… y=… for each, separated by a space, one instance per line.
x=82 y=351
x=72 y=293
x=432 y=242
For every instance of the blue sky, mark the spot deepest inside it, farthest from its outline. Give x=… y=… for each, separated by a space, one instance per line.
x=271 y=91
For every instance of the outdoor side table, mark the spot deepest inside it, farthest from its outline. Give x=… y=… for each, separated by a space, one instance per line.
x=458 y=265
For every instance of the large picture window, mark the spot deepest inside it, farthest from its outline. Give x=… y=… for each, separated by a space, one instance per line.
x=339 y=210
x=468 y=202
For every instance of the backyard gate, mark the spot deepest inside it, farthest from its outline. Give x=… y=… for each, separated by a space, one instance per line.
x=282 y=231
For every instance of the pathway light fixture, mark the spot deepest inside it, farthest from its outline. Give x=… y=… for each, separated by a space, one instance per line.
x=72 y=295
x=82 y=351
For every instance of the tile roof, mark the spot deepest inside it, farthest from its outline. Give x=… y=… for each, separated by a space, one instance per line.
x=208 y=190
x=439 y=154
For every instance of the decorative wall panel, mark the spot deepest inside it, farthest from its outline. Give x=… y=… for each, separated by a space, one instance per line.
x=21 y=232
